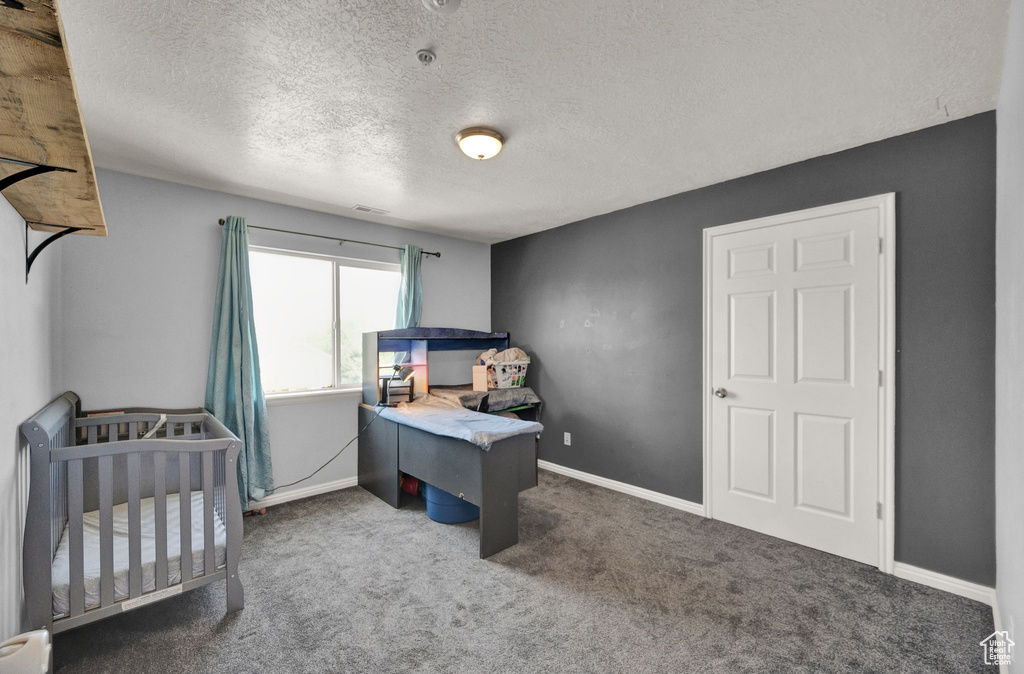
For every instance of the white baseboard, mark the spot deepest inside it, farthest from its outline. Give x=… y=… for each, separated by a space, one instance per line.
x=639 y=492
x=303 y=492
x=997 y=621
x=986 y=595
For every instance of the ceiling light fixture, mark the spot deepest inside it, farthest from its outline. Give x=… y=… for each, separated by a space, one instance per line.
x=479 y=142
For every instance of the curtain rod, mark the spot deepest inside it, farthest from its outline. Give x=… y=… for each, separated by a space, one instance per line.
x=331 y=238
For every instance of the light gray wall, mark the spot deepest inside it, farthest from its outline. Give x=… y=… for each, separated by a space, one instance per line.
x=29 y=336
x=138 y=305
x=611 y=310
x=1010 y=335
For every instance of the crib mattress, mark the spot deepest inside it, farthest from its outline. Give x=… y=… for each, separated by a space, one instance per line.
x=60 y=571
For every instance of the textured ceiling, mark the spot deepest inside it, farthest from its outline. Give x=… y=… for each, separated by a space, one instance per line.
x=322 y=103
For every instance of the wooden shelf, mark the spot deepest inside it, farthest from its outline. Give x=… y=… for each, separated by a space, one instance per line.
x=41 y=122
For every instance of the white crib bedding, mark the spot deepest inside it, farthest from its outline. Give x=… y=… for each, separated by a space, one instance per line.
x=91 y=544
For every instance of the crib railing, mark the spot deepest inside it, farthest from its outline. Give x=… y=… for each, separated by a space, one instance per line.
x=102 y=461
x=61 y=436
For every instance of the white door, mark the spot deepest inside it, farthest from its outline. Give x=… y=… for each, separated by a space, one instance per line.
x=796 y=348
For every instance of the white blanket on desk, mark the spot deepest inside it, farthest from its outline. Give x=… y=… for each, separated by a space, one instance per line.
x=442 y=418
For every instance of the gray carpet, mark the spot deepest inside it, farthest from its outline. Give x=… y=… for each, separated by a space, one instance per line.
x=600 y=582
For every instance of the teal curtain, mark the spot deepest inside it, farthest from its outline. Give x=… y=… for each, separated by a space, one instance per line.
x=234 y=392
x=410 y=292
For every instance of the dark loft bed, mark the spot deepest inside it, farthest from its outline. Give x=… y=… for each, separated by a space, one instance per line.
x=480 y=475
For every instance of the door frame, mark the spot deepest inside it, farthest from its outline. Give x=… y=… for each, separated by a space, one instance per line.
x=886 y=205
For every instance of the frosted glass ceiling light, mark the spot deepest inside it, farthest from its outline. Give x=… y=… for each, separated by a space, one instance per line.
x=479 y=142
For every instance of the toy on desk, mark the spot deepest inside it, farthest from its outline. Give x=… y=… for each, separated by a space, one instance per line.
x=500 y=369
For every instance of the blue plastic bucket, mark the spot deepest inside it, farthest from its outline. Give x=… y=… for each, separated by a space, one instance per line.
x=447 y=509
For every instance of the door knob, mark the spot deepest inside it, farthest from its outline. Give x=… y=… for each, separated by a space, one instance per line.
x=721 y=392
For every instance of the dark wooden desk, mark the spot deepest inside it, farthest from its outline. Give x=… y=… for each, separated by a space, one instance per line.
x=489 y=479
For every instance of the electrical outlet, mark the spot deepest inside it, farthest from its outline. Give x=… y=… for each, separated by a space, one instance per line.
x=568 y=439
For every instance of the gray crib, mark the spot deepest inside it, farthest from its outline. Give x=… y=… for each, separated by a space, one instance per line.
x=120 y=504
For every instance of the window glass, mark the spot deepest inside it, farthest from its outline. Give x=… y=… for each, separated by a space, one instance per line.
x=292 y=306
x=368 y=298
x=295 y=314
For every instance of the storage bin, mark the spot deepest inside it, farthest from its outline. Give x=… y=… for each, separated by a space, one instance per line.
x=447 y=509
x=507 y=375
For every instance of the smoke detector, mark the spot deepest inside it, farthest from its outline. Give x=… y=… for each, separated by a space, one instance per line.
x=442 y=6
x=425 y=56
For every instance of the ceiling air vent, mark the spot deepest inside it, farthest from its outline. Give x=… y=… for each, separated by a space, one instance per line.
x=370 y=209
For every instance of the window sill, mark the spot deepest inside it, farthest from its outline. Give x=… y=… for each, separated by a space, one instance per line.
x=304 y=397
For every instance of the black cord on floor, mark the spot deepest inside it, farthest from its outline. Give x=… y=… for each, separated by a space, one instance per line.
x=380 y=408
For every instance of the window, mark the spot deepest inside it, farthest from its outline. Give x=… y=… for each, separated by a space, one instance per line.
x=311 y=312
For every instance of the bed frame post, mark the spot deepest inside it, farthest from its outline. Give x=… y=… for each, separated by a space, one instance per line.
x=37 y=550
x=236 y=596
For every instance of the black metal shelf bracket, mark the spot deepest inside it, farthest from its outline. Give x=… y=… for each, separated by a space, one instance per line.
x=34 y=170
x=31 y=257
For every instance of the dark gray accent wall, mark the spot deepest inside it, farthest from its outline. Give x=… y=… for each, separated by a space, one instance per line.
x=610 y=309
